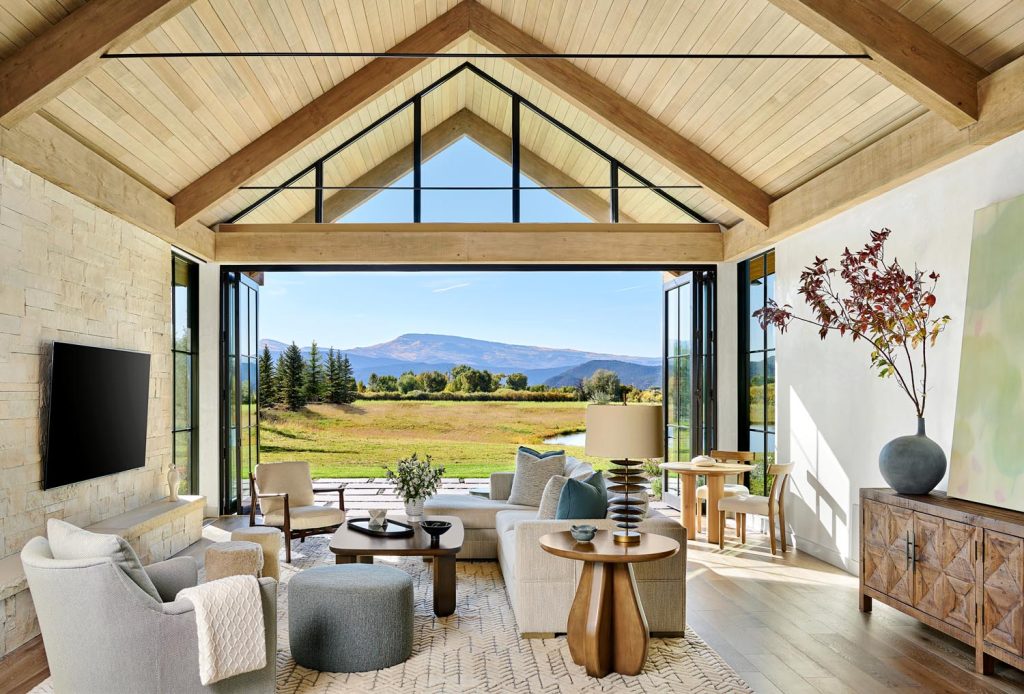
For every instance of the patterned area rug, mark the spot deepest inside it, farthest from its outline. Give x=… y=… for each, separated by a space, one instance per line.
x=479 y=650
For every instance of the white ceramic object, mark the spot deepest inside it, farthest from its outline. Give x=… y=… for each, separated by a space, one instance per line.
x=377 y=517
x=173 y=480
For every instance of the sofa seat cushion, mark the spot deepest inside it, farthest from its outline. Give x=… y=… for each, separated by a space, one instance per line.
x=306 y=517
x=473 y=511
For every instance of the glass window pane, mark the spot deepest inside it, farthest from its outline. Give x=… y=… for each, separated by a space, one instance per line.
x=183 y=458
x=769 y=392
x=547 y=148
x=350 y=197
x=639 y=204
x=756 y=389
x=770 y=294
x=755 y=300
x=672 y=324
x=182 y=390
x=182 y=334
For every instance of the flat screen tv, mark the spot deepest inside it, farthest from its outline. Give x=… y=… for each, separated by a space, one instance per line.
x=99 y=400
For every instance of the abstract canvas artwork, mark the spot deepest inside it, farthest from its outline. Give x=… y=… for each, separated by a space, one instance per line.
x=987 y=461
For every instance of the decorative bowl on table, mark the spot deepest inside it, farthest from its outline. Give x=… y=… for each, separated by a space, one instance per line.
x=704 y=461
x=583 y=533
x=435 y=528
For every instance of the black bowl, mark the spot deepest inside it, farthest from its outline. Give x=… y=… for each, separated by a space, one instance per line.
x=435 y=528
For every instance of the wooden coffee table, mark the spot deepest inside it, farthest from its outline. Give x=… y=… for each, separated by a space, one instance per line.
x=350 y=546
x=607 y=626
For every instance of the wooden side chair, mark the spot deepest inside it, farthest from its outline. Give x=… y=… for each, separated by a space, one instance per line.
x=772 y=506
x=731 y=489
x=285 y=494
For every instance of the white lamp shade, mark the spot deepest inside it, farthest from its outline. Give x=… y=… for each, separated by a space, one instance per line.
x=625 y=431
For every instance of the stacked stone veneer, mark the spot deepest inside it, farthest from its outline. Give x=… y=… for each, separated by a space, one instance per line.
x=70 y=272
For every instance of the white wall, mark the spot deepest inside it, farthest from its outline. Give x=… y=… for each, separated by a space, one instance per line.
x=209 y=386
x=728 y=348
x=833 y=414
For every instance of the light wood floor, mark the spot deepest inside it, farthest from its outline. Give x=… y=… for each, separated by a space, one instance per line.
x=786 y=624
x=791 y=624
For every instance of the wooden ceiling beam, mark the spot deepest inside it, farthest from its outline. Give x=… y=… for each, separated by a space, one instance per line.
x=917 y=148
x=470 y=244
x=49 y=152
x=318 y=116
x=465 y=123
x=60 y=56
x=623 y=116
x=901 y=51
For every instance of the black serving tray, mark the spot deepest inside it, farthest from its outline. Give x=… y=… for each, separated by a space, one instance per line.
x=392 y=528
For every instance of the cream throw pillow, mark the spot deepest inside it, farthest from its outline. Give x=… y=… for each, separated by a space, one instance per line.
x=549 y=499
x=71 y=542
x=533 y=470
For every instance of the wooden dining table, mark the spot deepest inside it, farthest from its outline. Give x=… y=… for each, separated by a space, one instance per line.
x=716 y=474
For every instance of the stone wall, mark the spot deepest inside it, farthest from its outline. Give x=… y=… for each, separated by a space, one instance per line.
x=71 y=272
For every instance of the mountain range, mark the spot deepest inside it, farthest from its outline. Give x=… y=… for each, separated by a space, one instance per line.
x=423 y=352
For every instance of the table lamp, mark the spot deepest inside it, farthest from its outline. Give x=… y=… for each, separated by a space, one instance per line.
x=627 y=434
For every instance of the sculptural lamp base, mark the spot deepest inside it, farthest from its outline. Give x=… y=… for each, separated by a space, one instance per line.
x=626 y=510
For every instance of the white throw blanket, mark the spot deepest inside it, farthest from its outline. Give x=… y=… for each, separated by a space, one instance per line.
x=229 y=619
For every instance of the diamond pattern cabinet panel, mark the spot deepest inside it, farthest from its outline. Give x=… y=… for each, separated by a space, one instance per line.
x=1003 y=592
x=944 y=580
x=899 y=569
x=875 y=538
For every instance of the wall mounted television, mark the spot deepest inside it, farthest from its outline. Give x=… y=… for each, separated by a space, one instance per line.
x=98 y=406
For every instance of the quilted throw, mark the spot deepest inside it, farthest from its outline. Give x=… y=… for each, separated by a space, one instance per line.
x=229 y=621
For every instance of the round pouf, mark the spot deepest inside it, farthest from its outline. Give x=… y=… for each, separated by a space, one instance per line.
x=350 y=617
x=232 y=559
x=270 y=540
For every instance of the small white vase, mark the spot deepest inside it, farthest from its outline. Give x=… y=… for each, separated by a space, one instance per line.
x=414 y=509
x=173 y=480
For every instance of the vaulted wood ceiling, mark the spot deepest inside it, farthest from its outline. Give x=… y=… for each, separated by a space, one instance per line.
x=751 y=131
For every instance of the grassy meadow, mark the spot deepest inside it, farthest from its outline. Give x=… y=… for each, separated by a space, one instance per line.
x=471 y=439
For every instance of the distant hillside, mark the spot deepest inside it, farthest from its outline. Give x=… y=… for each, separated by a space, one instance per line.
x=637 y=375
x=483 y=354
x=422 y=352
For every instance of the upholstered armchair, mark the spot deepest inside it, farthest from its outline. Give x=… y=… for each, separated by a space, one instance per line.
x=284 y=492
x=103 y=633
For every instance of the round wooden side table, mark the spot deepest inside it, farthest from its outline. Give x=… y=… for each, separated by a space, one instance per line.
x=607 y=629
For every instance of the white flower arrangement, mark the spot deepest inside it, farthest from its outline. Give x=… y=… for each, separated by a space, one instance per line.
x=415 y=479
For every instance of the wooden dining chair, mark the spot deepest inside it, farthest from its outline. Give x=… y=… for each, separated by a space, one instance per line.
x=772 y=506
x=730 y=489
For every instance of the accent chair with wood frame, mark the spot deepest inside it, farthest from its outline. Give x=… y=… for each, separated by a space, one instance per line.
x=285 y=494
x=772 y=506
x=731 y=489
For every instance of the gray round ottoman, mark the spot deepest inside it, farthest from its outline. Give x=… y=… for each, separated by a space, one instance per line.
x=350 y=617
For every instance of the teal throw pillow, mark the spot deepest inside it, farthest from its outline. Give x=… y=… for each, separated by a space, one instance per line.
x=586 y=500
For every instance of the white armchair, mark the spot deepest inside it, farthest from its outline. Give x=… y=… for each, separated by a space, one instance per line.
x=285 y=494
x=103 y=633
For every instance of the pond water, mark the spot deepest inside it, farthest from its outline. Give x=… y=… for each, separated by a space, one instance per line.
x=578 y=438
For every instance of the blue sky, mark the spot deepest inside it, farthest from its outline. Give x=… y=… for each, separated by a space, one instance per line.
x=613 y=312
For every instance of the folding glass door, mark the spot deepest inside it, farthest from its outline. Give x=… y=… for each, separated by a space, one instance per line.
x=239 y=389
x=689 y=371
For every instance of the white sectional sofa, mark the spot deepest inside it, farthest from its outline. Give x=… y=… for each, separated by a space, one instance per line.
x=541 y=586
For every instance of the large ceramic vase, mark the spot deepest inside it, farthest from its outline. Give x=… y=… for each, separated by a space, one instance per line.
x=912 y=464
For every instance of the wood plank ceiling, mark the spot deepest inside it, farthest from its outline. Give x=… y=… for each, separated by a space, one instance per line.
x=776 y=123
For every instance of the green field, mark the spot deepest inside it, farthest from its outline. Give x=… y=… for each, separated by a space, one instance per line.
x=471 y=439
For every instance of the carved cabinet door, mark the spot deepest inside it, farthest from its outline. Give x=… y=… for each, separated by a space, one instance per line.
x=1003 y=592
x=887 y=563
x=944 y=579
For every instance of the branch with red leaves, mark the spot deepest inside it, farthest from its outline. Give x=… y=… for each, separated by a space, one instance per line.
x=883 y=304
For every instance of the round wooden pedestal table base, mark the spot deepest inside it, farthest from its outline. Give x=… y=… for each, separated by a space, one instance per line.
x=607 y=629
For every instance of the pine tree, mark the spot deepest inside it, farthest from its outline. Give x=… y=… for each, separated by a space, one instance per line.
x=334 y=384
x=347 y=379
x=313 y=382
x=267 y=379
x=290 y=371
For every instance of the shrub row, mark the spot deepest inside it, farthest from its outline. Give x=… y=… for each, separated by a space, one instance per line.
x=502 y=394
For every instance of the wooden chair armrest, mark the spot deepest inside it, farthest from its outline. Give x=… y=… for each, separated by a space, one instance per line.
x=271 y=496
x=341 y=493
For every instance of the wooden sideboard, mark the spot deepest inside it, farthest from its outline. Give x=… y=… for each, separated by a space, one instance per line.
x=955 y=565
